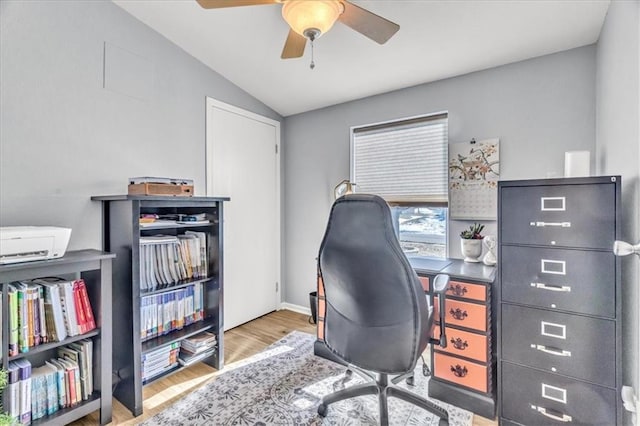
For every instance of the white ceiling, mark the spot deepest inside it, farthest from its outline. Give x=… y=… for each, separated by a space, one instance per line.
x=437 y=39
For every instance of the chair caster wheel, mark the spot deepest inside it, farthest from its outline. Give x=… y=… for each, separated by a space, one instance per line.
x=411 y=381
x=322 y=410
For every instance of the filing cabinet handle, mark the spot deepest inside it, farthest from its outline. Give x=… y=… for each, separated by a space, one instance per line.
x=543 y=286
x=565 y=417
x=544 y=349
x=543 y=224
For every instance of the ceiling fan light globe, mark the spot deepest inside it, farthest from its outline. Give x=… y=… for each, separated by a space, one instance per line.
x=316 y=15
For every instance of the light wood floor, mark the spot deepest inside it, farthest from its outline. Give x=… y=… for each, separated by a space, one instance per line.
x=240 y=342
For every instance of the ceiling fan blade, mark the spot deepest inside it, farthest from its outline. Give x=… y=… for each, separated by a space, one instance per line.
x=216 y=4
x=368 y=23
x=294 y=46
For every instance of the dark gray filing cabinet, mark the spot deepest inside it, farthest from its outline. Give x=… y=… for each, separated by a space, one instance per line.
x=559 y=321
x=94 y=267
x=122 y=232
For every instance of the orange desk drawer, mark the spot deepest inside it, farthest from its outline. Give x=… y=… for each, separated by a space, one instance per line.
x=463 y=343
x=425 y=283
x=461 y=372
x=321 y=329
x=467 y=290
x=470 y=315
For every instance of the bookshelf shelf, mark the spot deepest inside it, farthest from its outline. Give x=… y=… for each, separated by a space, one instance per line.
x=181 y=284
x=123 y=235
x=68 y=415
x=178 y=335
x=48 y=346
x=94 y=267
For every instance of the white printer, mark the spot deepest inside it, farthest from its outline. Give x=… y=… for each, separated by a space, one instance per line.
x=27 y=243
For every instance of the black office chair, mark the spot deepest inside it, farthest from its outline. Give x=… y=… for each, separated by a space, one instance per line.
x=377 y=316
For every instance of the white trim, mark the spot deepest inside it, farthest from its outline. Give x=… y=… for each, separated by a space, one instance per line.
x=210 y=104
x=295 y=308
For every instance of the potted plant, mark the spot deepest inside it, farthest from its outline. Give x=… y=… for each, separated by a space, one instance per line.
x=5 y=419
x=471 y=243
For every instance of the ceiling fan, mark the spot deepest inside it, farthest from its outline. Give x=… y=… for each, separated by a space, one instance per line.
x=309 y=19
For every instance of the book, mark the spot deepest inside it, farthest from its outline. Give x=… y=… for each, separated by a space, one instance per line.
x=68 y=307
x=74 y=354
x=52 y=389
x=13 y=390
x=80 y=313
x=53 y=308
x=24 y=375
x=12 y=295
x=85 y=367
x=23 y=318
x=73 y=384
x=60 y=381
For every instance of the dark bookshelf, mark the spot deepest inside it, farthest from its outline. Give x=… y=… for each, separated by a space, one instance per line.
x=121 y=235
x=95 y=268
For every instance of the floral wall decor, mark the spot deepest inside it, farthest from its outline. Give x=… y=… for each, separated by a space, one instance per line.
x=474 y=170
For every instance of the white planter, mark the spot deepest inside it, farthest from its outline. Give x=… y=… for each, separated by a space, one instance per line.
x=471 y=250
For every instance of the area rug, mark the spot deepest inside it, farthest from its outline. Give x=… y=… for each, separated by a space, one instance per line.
x=283 y=385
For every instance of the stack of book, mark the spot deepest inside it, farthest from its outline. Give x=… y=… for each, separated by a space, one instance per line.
x=159 y=361
x=166 y=259
x=197 y=348
x=172 y=310
x=47 y=310
x=33 y=393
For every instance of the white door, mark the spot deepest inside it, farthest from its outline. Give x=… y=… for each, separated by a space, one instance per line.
x=243 y=164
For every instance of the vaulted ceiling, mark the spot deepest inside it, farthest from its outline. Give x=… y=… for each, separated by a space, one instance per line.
x=437 y=39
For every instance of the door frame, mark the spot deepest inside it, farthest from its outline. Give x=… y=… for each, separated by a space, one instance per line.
x=214 y=103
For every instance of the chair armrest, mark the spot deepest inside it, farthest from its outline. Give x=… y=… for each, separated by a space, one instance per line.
x=440 y=284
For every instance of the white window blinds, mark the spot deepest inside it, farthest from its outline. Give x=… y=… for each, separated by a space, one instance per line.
x=403 y=161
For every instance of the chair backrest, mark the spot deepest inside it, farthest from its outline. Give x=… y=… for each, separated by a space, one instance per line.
x=376 y=316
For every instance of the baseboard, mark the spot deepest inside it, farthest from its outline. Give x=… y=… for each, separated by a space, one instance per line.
x=296 y=308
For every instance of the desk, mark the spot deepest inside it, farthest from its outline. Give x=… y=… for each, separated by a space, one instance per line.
x=464 y=372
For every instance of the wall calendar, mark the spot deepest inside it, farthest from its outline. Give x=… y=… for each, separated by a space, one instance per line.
x=474 y=170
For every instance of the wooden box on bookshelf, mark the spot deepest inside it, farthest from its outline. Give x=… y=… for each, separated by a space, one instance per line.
x=156 y=268
x=160 y=189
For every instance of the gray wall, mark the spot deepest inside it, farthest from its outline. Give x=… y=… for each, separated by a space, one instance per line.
x=539 y=109
x=64 y=137
x=618 y=152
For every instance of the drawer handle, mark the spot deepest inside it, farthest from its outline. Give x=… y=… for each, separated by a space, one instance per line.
x=543 y=224
x=543 y=286
x=458 y=314
x=557 y=352
x=564 y=418
x=459 y=371
x=458 y=290
x=458 y=343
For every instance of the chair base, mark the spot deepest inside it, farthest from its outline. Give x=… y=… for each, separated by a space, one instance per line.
x=384 y=390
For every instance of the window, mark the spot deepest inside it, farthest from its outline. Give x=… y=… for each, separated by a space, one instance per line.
x=405 y=162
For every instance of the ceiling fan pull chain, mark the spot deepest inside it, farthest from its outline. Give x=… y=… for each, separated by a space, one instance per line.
x=313 y=64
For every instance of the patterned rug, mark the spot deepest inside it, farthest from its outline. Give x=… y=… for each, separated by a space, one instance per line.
x=283 y=385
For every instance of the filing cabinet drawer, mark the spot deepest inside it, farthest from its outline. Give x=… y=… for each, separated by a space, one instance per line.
x=467 y=290
x=465 y=314
x=571 y=280
x=567 y=344
x=464 y=343
x=533 y=397
x=459 y=371
x=559 y=215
